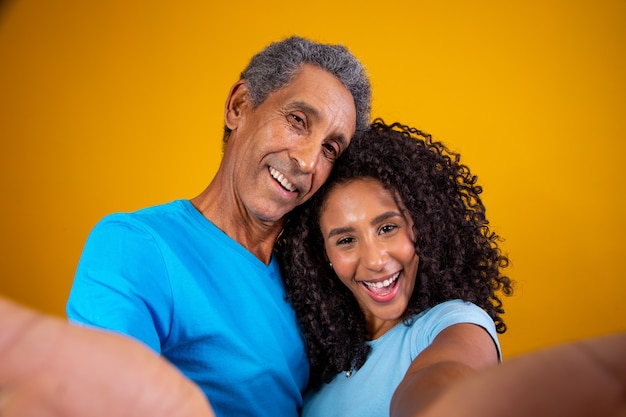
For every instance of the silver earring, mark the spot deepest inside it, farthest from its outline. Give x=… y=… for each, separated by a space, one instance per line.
x=330 y=264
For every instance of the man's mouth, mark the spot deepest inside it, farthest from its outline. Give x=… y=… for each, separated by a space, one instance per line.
x=284 y=182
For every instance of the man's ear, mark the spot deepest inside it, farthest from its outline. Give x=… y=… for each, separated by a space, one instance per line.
x=237 y=101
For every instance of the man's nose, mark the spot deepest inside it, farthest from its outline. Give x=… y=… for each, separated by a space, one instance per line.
x=306 y=154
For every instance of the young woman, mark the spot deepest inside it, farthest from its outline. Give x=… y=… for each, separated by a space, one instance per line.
x=394 y=275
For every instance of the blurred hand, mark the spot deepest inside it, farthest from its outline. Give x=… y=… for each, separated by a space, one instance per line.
x=579 y=379
x=51 y=368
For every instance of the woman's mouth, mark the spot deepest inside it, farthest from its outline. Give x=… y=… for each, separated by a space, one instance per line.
x=380 y=290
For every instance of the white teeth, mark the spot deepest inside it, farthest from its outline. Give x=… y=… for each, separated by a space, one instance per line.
x=382 y=284
x=282 y=180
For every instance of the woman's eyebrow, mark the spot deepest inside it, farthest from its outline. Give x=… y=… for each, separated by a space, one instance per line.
x=380 y=218
x=385 y=216
x=339 y=230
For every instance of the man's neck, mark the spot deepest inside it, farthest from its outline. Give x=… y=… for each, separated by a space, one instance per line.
x=256 y=236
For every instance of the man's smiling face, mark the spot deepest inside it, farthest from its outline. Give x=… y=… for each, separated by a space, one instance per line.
x=283 y=150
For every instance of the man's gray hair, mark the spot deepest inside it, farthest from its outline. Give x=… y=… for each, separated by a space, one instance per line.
x=276 y=65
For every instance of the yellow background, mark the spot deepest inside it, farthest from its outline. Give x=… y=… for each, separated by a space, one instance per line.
x=116 y=105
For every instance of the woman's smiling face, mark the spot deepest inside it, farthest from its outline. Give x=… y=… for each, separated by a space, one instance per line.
x=370 y=242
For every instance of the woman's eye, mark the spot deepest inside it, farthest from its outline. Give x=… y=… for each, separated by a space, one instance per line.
x=387 y=228
x=345 y=241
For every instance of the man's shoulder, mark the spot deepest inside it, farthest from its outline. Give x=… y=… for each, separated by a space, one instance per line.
x=147 y=215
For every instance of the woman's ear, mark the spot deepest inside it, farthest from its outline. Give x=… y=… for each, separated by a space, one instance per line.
x=327 y=260
x=237 y=102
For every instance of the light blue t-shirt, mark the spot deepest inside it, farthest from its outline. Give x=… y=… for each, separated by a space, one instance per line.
x=171 y=279
x=367 y=392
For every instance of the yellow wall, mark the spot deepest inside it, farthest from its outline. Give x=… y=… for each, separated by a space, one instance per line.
x=115 y=105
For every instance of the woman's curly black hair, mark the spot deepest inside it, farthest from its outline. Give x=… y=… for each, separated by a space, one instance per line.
x=459 y=254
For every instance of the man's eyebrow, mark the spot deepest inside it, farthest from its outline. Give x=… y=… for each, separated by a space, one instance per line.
x=305 y=107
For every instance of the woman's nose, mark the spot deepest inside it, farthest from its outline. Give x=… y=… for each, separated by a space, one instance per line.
x=374 y=256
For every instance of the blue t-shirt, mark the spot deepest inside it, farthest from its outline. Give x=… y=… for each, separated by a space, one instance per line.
x=170 y=278
x=367 y=392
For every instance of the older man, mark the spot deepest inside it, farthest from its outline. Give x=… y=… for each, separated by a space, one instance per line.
x=195 y=279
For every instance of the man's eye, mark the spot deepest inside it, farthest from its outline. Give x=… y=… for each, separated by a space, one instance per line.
x=297 y=119
x=331 y=149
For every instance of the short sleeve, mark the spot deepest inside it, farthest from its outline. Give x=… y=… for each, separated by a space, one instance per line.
x=121 y=283
x=434 y=320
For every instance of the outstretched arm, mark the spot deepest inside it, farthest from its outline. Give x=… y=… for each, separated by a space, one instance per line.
x=578 y=379
x=457 y=352
x=51 y=368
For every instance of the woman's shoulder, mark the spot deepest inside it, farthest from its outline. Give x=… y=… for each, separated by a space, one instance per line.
x=448 y=310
